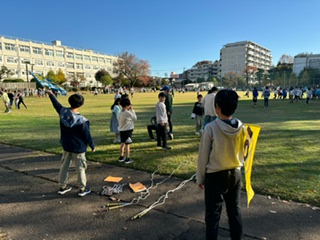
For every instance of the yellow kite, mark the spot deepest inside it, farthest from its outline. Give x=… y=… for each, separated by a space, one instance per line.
x=250 y=144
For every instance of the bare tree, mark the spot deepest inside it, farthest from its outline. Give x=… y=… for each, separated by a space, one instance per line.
x=131 y=67
x=248 y=72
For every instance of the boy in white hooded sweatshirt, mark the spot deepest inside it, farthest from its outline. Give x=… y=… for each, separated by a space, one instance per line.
x=219 y=162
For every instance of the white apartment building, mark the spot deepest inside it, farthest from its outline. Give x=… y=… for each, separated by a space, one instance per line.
x=305 y=60
x=203 y=69
x=19 y=55
x=234 y=57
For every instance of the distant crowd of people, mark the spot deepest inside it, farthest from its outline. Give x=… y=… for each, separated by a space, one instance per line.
x=293 y=94
x=10 y=98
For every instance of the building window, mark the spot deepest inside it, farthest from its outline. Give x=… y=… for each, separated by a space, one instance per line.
x=94 y=59
x=79 y=66
x=87 y=66
x=50 y=63
x=70 y=65
x=39 y=72
x=25 y=49
x=59 y=53
x=25 y=60
x=69 y=55
x=88 y=75
x=49 y=52
x=87 y=58
x=38 y=62
x=12 y=60
x=37 y=50
x=101 y=60
x=79 y=56
x=10 y=47
x=108 y=60
x=0 y=46
x=61 y=64
x=70 y=74
x=95 y=67
x=0 y=58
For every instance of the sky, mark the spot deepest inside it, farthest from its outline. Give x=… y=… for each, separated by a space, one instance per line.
x=172 y=35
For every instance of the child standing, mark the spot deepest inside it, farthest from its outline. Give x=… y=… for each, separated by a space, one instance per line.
x=266 y=95
x=219 y=163
x=162 y=120
x=6 y=101
x=114 y=124
x=74 y=138
x=126 y=125
x=20 y=100
x=198 y=111
x=255 y=96
x=309 y=95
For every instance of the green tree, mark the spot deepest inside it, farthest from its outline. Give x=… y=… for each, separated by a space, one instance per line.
x=119 y=80
x=200 y=80
x=104 y=77
x=293 y=80
x=61 y=77
x=4 y=71
x=277 y=79
x=265 y=80
x=259 y=74
x=304 y=78
x=106 y=80
x=280 y=73
x=52 y=76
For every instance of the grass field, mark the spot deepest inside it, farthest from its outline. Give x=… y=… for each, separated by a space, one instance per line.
x=286 y=161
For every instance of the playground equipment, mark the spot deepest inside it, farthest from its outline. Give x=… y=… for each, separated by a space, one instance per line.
x=47 y=83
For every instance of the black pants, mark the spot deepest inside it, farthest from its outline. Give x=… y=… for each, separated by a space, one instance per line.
x=19 y=102
x=170 y=122
x=162 y=133
x=223 y=186
x=151 y=128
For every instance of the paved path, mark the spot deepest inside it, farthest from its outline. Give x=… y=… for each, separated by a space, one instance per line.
x=31 y=209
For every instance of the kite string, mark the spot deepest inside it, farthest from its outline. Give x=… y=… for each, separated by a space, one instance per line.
x=144 y=195
x=162 y=199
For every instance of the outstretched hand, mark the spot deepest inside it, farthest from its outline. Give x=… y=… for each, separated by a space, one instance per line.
x=48 y=91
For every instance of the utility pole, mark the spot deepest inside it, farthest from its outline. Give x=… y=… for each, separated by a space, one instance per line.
x=27 y=72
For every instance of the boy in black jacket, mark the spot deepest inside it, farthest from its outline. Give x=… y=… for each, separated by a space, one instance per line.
x=197 y=114
x=74 y=138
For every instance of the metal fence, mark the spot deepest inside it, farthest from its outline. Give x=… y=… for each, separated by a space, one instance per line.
x=17 y=85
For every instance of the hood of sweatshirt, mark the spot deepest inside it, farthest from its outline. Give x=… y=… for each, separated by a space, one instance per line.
x=70 y=119
x=230 y=128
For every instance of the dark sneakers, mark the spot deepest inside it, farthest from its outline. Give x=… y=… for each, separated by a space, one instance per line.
x=128 y=160
x=125 y=160
x=84 y=191
x=64 y=190
x=166 y=148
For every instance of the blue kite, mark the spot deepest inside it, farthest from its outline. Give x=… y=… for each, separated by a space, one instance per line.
x=47 y=83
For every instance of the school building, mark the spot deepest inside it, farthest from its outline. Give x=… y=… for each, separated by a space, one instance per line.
x=22 y=55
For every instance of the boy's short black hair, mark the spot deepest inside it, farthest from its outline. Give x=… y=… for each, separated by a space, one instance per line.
x=199 y=96
x=76 y=100
x=124 y=96
x=162 y=94
x=227 y=100
x=214 y=89
x=125 y=102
